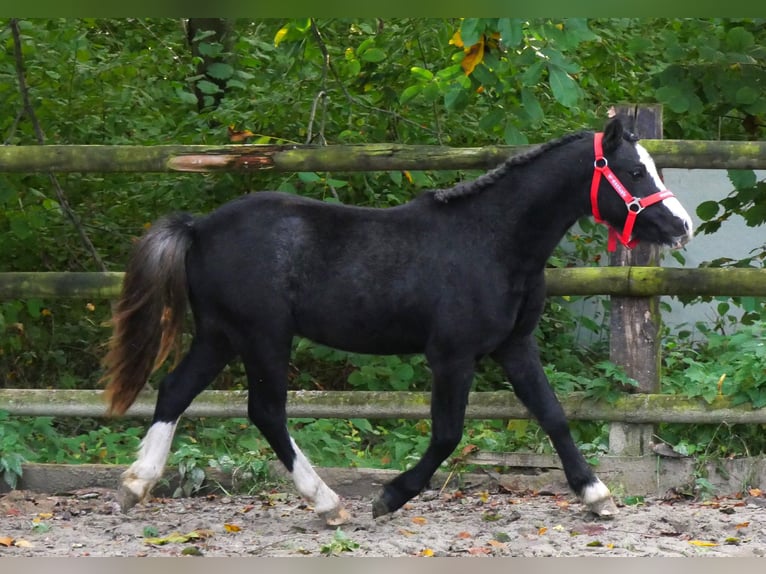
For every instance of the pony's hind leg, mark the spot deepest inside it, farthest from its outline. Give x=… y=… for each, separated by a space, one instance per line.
x=266 y=407
x=521 y=362
x=452 y=380
x=205 y=359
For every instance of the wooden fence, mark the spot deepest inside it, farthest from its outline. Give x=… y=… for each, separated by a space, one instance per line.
x=633 y=283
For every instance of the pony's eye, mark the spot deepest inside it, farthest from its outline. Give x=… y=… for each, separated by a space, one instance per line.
x=638 y=173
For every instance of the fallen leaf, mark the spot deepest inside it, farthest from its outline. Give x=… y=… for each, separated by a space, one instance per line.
x=755 y=492
x=405 y=532
x=45 y=515
x=191 y=551
x=732 y=540
x=496 y=544
x=476 y=550
x=542 y=530
x=231 y=527
x=13 y=512
x=6 y=541
x=468 y=449
x=464 y=535
x=484 y=496
x=23 y=544
x=419 y=520
x=248 y=508
x=703 y=543
x=491 y=516
x=594 y=544
x=426 y=553
x=558 y=528
x=563 y=504
x=502 y=537
x=742 y=525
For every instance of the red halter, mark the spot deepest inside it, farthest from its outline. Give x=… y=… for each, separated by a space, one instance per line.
x=635 y=205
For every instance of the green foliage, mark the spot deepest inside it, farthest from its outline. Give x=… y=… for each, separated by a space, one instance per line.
x=189 y=459
x=13 y=449
x=339 y=544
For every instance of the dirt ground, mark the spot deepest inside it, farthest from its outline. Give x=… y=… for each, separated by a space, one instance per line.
x=490 y=522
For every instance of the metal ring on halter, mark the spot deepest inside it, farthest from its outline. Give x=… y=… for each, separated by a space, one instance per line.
x=635 y=206
x=598 y=159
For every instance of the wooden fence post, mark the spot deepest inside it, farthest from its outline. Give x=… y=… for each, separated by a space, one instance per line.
x=634 y=340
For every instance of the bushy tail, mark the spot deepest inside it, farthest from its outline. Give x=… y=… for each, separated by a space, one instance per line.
x=149 y=315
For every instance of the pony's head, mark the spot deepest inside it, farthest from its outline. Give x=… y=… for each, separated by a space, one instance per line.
x=628 y=194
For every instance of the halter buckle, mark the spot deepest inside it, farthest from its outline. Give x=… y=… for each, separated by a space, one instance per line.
x=635 y=205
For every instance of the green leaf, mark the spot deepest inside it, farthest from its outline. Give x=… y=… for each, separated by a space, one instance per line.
x=421 y=73
x=220 y=71
x=747 y=95
x=471 y=30
x=511 y=32
x=207 y=87
x=373 y=55
x=456 y=98
x=564 y=88
x=739 y=40
x=707 y=210
x=531 y=77
x=742 y=178
x=410 y=93
x=210 y=49
x=674 y=98
x=513 y=136
x=309 y=177
x=532 y=106
x=755 y=215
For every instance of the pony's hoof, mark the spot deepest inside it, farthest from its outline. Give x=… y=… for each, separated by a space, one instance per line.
x=336 y=517
x=379 y=507
x=604 y=508
x=127 y=498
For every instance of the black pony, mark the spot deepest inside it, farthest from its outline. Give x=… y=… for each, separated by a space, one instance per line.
x=456 y=274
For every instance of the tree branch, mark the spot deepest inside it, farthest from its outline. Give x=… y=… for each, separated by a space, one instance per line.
x=30 y=113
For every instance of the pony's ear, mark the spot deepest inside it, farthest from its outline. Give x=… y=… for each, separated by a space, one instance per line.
x=613 y=133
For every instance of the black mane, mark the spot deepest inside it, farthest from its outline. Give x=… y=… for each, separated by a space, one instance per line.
x=466 y=188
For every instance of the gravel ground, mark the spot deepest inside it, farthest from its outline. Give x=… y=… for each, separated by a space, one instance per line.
x=278 y=523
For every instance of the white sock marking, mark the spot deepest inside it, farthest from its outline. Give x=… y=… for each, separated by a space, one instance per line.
x=595 y=492
x=152 y=456
x=310 y=485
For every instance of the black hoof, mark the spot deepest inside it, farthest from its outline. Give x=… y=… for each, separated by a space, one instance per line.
x=379 y=507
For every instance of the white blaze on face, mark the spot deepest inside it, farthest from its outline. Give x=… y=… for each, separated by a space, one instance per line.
x=673 y=205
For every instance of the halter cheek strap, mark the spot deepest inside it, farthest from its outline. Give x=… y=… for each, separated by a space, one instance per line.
x=635 y=205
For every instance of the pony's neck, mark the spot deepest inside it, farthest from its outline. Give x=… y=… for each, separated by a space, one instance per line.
x=544 y=198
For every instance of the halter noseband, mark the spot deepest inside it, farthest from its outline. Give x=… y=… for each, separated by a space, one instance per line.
x=635 y=205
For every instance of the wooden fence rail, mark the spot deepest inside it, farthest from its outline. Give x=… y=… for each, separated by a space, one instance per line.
x=622 y=281
x=342 y=158
x=634 y=409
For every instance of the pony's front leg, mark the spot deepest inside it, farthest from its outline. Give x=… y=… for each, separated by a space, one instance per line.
x=521 y=362
x=143 y=474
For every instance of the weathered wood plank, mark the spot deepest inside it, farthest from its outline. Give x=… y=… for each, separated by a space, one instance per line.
x=638 y=408
x=340 y=158
x=626 y=281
